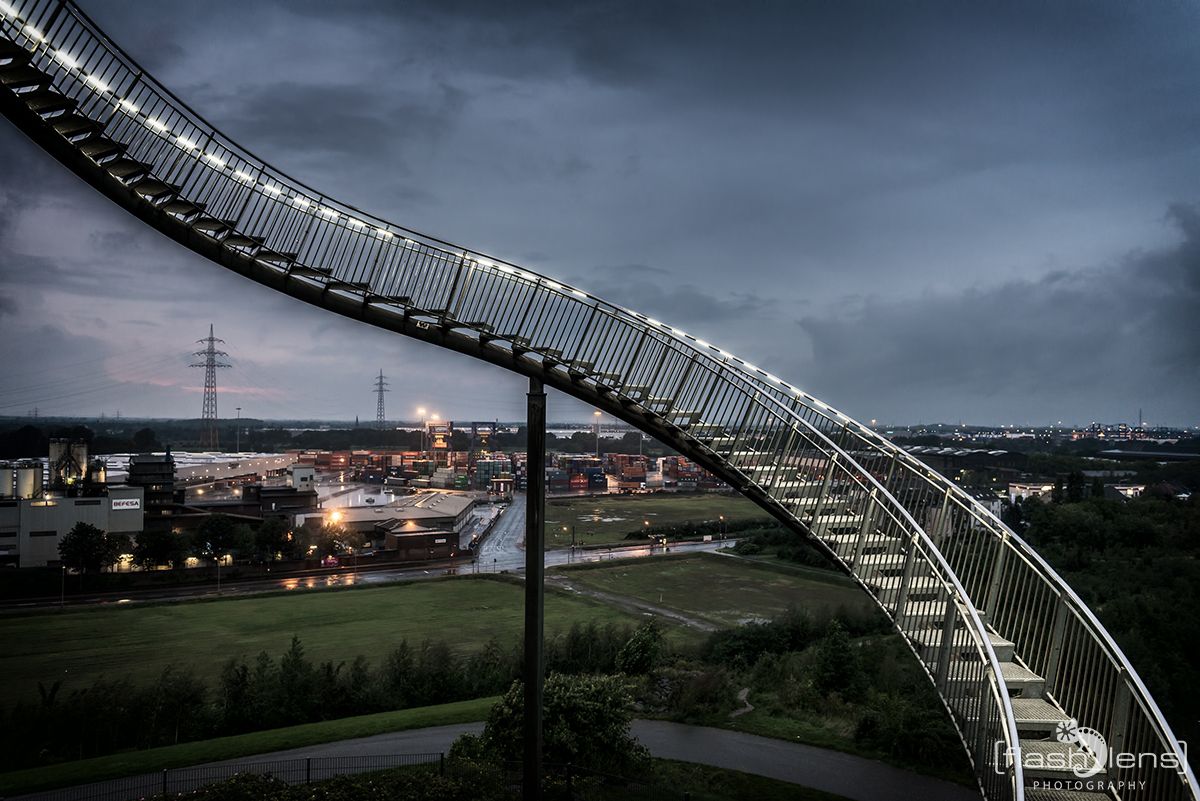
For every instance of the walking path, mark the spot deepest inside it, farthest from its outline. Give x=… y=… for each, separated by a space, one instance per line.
x=846 y=775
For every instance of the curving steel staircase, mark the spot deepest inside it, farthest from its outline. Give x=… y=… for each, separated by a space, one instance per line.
x=1011 y=649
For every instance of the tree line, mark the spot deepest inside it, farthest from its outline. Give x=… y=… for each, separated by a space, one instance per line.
x=114 y=713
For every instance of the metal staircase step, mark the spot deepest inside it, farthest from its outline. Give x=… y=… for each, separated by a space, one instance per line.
x=23 y=76
x=353 y=286
x=127 y=169
x=919 y=588
x=931 y=637
x=75 y=127
x=305 y=271
x=1017 y=678
x=211 y=226
x=844 y=544
x=1037 y=714
x=12 y=53
x=101 y=149
x=713 y=442
x=824 y=522
x=881 y=565
x=183 y=209
x=237 y=240
x=155 y=190
x=46 y=102
x=273 y=256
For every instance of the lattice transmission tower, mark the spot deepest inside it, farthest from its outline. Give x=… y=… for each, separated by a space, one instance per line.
x=210 y=439
x=380 y=388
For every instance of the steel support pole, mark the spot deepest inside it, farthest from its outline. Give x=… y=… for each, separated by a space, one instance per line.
x=535 y=518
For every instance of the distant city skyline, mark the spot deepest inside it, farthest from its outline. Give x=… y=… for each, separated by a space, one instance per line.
x=984 y=215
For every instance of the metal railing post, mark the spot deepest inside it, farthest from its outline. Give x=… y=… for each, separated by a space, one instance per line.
x=910 y=559
x=945 y=652
x=993 y=587
x=1050 y=674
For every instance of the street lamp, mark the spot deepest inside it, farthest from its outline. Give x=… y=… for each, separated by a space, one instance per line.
x=722 y=526
x=596 y=414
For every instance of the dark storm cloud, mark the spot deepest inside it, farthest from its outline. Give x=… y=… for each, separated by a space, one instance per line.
x=1040 y=346
x=658 y=293
x=967 y=176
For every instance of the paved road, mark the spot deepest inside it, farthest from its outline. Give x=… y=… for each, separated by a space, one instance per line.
x=830 y=771
x=507 y=538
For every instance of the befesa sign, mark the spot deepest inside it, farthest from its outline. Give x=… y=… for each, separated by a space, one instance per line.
x=126 y=504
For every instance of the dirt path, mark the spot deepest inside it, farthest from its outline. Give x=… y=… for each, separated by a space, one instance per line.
x=633 y=605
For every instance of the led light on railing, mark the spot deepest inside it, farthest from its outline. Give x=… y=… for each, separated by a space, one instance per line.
x=505 y=269
x=703 y=344
x=216 y=161
x=300 y=202
x=552 y=285
x=327 y=213
x=66 y=59
x=125 y=104
x=156 y=125
x=773 y=378
x=385 y=234
x=272 y=190
x=244 y=177
x=185 y=143
x=653 y=322
x=484 y=263
x=96 y=82
x=7 y=9
x=34 y=33
x=579 y=294
x=353 y=223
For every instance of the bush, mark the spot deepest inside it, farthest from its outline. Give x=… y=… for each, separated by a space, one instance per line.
x=585 y=723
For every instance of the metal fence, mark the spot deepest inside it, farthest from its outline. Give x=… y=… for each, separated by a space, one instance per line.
x=181 y=780
x=934 y=560
x=563 y=781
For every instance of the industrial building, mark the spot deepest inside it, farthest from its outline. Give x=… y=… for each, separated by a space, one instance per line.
x=154 y=473
x=422 y=513
x=34 y=517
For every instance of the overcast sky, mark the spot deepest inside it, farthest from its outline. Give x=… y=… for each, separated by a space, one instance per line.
x=915 y=211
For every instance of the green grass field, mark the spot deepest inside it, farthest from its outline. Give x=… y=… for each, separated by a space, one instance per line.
x=724 y=590
x=131 y=763
x=609 y=518
x=137 y=642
